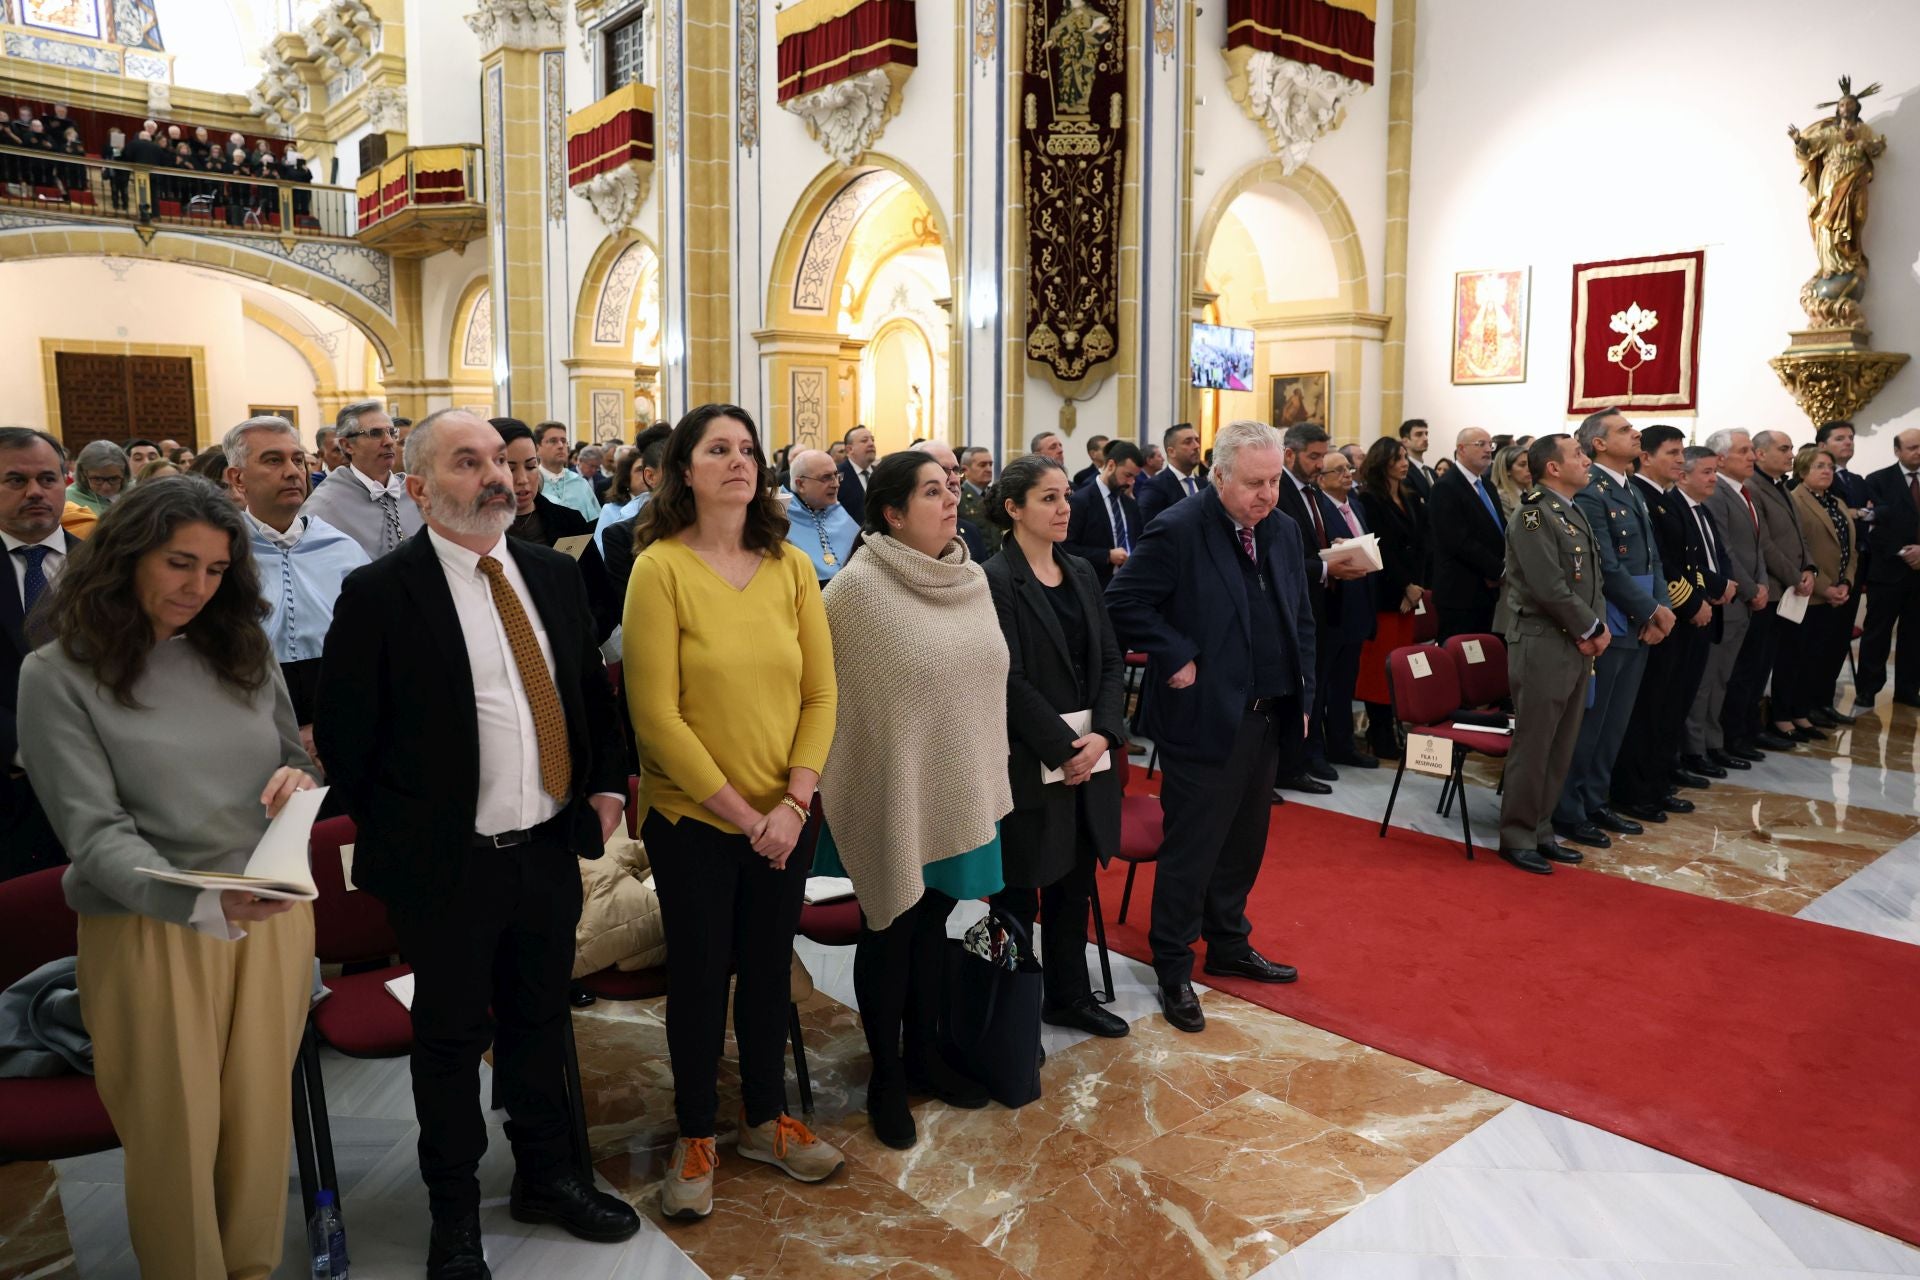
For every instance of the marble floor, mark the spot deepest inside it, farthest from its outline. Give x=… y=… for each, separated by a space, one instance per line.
x=1263 y=1148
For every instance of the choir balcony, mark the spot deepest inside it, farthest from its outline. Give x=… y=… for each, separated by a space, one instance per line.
x=422 y=200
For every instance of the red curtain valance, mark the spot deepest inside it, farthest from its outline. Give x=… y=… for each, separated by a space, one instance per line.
x=868 y=35
x=1337 y=36
x=626 y=137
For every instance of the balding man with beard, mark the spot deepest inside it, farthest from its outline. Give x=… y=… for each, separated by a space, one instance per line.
x=464 y=715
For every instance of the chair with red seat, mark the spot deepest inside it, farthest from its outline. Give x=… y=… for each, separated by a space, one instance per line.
x=1425 y=687
x=1426 y=620
x=1480 y=660
x=48 y=1117
x=1140 y=834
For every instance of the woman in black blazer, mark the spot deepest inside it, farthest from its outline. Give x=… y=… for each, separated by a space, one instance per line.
x=1063 y=659
x=1396 y=513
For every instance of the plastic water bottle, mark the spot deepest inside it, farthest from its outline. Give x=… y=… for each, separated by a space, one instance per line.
x=327 y=1239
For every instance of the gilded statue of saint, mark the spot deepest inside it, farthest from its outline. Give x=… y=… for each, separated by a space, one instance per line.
x=1076 y=38
x=1836 y=165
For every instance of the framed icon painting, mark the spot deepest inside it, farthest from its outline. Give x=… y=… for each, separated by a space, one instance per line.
x=1490 y=326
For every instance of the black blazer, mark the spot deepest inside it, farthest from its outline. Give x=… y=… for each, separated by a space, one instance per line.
x=1037 y=843
x=1351 y=617
x=1293 y=504
x=1419 y=482
x=557 y=522
x=1090 y=528
x=1683 y=558
x=1469 y=546
x=14 y=648
x=1896 y=524
x=396 y=724
x=852 y=496
x=1403 y=548
x=1156 y=493
x=1083 y=476
x=1182 y=598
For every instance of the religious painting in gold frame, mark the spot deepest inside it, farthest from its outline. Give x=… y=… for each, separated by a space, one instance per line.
x=1490 y=326
x=287 y=411
x=1302 y=397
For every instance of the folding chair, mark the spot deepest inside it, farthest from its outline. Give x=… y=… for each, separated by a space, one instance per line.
x=1427 y=704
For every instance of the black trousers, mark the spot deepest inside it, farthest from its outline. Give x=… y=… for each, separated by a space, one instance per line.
x=1215 y=816
x=1740 y=721
x=1827 y=634
x=503 y=939
x=1890 y=606
x=898 y=981
x=27 y=841
x=1655 y=731
x=1063 y=905
x=727 y=911
x=1332 y=733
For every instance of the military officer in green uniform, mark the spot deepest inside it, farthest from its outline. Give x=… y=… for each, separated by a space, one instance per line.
x=976 y=475
x=1553 y=615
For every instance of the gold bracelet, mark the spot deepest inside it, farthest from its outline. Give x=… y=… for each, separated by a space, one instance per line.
x=796 y=806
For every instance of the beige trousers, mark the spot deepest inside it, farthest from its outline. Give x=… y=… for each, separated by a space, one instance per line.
x=194 y=1041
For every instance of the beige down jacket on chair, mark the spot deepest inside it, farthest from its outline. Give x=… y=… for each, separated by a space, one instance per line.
x=620 y=923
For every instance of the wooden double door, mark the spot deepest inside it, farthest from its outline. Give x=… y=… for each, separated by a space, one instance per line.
x=120 y=398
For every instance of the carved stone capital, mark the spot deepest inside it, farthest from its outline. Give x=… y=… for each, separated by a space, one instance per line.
x=159 y=98
x=386 y=107
x=615 y=196
x=517 y=24
x=1835 y=385
x=846 y=117
x=1295 y=103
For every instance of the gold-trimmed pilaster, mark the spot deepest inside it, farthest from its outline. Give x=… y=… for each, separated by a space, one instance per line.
x=1393 y=357
x=708 y=166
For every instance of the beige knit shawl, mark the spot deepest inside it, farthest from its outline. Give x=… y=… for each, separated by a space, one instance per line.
x=918 y=770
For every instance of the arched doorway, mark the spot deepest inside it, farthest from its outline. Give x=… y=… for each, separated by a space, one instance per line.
x=1278 y=254
x=859 y=312
x=614 y=371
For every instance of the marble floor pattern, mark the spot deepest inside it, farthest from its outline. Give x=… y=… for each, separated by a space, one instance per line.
x=1263 y=1148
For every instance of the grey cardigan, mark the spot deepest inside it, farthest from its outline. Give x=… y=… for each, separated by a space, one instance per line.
x=172 y=782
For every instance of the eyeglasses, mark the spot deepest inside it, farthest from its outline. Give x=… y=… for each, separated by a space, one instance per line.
x=371 y=433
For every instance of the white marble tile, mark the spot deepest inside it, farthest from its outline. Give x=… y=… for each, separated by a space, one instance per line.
x=1821 y=1240
x=1516 y=1213
x=1318 y=1265
x=96 y=1214
x=1589 y=1149
x=1704 y=1271
x=1406 y=1218
x=1511 y=1140
x=1547 y=1269
x=1684 y=1218
x=1881 y=898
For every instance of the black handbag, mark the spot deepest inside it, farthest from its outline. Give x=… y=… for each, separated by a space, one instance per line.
x=993 y=1010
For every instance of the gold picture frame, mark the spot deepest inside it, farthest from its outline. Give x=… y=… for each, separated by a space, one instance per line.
x=1301 y=397
x=1490 y=318
x=290 y=412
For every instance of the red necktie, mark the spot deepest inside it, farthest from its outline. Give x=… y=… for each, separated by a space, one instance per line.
x=1750 y=511
x=1913 y=487
x=1246 y=542
x=1313 y=505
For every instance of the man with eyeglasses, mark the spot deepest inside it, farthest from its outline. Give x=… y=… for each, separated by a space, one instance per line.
x=367 y=499
x=816 y=522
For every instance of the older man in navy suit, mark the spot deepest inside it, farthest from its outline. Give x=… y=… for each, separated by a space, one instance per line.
x=1216 y=596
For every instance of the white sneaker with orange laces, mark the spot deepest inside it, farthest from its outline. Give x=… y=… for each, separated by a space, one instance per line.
x=787 y=1144
x=688 y=1190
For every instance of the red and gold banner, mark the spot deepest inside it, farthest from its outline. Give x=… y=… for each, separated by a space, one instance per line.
x=614 y=131
x=417 y=176
x=1636 y=334
x=826 y=41
x=1072 y=149
x=1335 y=34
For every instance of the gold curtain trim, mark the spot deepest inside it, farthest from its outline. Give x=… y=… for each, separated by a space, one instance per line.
x=438 y=159
x=808 y=14
x=628 y=97
x=848 y=57
x=1365 y=7
x=367 y=183
x=1276 y=32
x=573 y=172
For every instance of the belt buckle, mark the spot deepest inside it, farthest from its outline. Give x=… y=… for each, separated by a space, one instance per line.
x=505 y=839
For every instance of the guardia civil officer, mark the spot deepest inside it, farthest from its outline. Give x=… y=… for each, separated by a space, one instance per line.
x=1552 y=613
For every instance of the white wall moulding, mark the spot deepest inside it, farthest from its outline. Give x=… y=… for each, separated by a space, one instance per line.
x=1295 y=103
x=615 y=196
x=517 y=24
x=848 y=117
x=386 y=107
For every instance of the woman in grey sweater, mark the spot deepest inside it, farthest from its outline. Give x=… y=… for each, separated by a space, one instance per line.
x=158 y=734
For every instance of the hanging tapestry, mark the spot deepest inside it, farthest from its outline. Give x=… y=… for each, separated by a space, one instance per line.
x=1636 y=334
x=1334 y=34
x=1072 y=137
x=136 y=25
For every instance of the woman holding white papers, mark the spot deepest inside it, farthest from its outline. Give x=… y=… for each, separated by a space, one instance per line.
x=1064 y=662
x=159 y=736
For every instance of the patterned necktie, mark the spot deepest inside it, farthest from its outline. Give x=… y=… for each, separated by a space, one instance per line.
x=549 y=721
x=390 y=508
x=1120 y=538
x=1752 y=511
x=36 y=583
x=1913 y=488
x=1246 y=543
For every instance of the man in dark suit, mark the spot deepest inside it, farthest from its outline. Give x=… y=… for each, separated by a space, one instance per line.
x=465 y=715
x=1105 y=524
x=1330 y=738
x=1180 y=478
x=855 y=470
x=1837 y=438
x=1893 y=578
x=33 y=483
x=1414 y=436
x=1216 y=596
x=1469 y=539
x=1096 y=458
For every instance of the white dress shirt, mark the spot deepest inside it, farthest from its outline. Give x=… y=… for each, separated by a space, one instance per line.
x=511 y=797
x=396 y=482
x=288 y=540
x=55 y=543
x=1308 y=494
x=1189 y=481
x=1706 y=536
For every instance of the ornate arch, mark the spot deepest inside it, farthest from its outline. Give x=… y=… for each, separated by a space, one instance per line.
x=1307 y=182
x=471 y=333
x=610 y=293
x=317 y=360
x=350 y=280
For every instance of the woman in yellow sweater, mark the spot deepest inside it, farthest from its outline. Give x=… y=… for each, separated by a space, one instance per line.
x=733 y=720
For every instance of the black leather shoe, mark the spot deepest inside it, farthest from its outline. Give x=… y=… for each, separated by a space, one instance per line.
x=1836 y=715
x=453 y=1251
x=1607 y=820
x=1772 y=741
x=1386 y=750
x=1822 y=718
x=1304 y=782
x=1644 y=812
x=1582 y=833
x=1085 y=1014
x=1741 y=751
x=1677 y=804
x=571 y=1202
x=1353 y=760
x=1907 y=699
x=1687 y=778
x=1557 y=852
x=1251 y=965
x=1324 y=772
x=1528 y=860
x=1699 y=765
x=1803 y=733
x=1182 y=1008
x=1727 y=760
x=579 y=997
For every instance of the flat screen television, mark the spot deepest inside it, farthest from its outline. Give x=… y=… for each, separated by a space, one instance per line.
x=1221 y=358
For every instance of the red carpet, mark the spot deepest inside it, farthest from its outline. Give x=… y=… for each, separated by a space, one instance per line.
x=1776 y=1051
